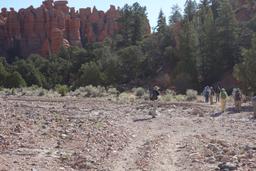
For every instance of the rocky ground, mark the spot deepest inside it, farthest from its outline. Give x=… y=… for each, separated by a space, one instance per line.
x=42 y=134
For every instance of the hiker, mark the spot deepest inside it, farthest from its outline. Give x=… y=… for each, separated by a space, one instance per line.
x=206 y=94
x=254 y=105
x=153 y=96
x=217 y=92
x=212 y=93
x=223 y=99
x=237 y=99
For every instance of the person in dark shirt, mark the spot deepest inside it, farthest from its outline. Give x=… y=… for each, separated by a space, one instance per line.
x=206 y=94
x=212 y=93
x=154 y=93
x=153 y=96
x=217 y=92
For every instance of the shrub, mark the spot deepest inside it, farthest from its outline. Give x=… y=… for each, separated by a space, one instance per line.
x=113 y=91
x=14 y=80
x=180 y=97
x=41 y=92
x=171 y=92
x=139 y=92
x=89 y=74
x=126 y=97
x=61 y=89
x=146 y=96
x=91 y=91
x=191 y=94
x=167 y=97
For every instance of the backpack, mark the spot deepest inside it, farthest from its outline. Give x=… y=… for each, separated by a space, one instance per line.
x=223 y=95
x=153 y=95
x=206 y=93
x=212 y=92
x=237 y=96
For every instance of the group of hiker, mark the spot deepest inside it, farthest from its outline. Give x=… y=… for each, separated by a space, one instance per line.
x=222 y=96
x=209 y=93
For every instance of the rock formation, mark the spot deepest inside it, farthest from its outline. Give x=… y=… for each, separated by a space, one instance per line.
x=45 y=29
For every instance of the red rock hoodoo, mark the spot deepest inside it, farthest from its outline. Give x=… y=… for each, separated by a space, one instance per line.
x=45 y=29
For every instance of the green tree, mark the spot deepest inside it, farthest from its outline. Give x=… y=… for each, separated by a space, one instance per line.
x=226 y=25
x=78 y=56
x=175 y=15
x=190 y=9
x=134 y=24
x=206 y=60
x=161 y=23
x=245 y=72
x=108 y=64
x=89 y=74
x=14 y=80
x=188 y=52
x=29 y=73
x=130 y=60
x=3 y=74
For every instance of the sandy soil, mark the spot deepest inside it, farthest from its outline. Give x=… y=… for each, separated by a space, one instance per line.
x=42 y=134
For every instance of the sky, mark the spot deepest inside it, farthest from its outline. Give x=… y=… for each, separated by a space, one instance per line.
x=153 y=6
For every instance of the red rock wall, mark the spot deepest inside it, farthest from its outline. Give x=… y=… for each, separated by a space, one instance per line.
x=45 y=29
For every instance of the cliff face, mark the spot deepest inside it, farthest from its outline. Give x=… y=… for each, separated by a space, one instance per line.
x=45 y=29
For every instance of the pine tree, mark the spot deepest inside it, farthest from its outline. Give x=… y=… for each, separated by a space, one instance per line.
x=161 y=23
x=134 y=24
x=175 y=15
x=228 y=50
x=206 y=63
x=190 y=9
x=188 y=52
x=245 y=72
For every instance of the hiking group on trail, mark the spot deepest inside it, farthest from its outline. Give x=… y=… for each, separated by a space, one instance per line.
x=222 y=96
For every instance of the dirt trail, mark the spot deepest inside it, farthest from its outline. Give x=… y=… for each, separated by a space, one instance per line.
x=98 y=134
x=164 y=143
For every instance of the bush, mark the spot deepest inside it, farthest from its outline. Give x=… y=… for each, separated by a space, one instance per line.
x=167 y=97
x=126 y=97
x=171 y=92
x=191 y=94
x=89 y=91
x=90 y=74
x=180 y=98
x=139 y=92
x=113 y=91
x=92 y=91
x=41 y=93
x=146 y=95
x=61 y=89
x=14 y=80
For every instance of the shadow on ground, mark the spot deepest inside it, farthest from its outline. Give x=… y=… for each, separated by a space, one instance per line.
x=143 y=119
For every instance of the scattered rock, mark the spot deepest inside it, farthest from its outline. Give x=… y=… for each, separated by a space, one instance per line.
x=227 y=166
